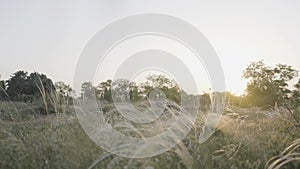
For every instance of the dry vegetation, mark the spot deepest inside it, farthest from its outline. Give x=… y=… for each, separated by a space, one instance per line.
x=246 y=138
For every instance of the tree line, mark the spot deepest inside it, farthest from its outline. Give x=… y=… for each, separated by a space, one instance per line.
x=24 y=87
x=266 y=86
x=135 y=92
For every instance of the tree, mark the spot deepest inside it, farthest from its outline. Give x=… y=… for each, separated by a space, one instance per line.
x=267 y=85
x=134 y=92
x=21 y=87
x=104 y=91
x=295 y=96
x=88 y=91
x=39 y=85
x=17 y=86
x=123 y=89
x=64 y=92
x=205 y=102
x=161 y=82
x=120 y=90
x=2 y=89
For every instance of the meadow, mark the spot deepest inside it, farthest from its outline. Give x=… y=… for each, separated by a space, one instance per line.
x=253 y=138
x=40 y=126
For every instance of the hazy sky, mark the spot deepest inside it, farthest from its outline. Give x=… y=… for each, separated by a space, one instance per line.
x=48 y=36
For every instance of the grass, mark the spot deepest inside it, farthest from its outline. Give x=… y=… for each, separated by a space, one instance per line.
x=246 y=138
x=290 y=154
x=45 y=142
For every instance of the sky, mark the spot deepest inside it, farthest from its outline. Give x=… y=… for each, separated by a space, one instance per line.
x=48 y=36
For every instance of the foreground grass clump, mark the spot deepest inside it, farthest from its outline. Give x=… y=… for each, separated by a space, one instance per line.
x=46 y=142
x=246 y=138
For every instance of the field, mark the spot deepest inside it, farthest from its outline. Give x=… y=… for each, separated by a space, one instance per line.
x=246 y=138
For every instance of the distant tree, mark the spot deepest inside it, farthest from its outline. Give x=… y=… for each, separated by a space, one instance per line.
x=21 y=87
x=120 y=90
x=87 y=91
x=104 y=91
x=123 y=89
x=295 y=96
x=17 y=86
x=36 y=81
x=3 y=95
x=205 y=102
x=267 y=85
x=64 y=93
x=135 y=92
x=161 y=82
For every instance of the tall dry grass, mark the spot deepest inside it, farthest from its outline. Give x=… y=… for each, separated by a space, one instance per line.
x=290 y=154
x=245 y=138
